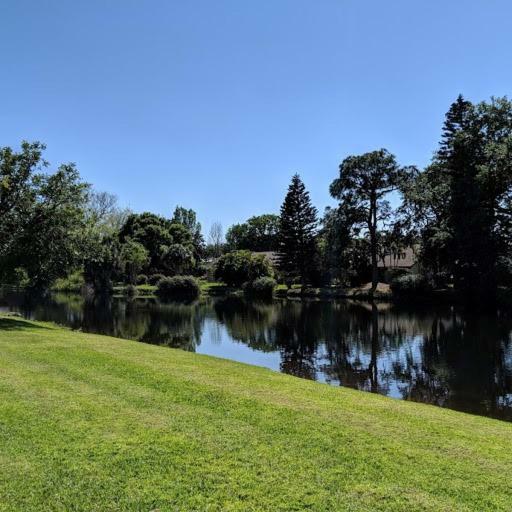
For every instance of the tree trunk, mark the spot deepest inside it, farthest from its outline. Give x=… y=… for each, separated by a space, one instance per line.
x=372 y=227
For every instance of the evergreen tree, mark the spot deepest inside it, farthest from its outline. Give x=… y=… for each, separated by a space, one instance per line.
x=470 y=240
x=474 y=138
x=461 y=204
x=297 y=231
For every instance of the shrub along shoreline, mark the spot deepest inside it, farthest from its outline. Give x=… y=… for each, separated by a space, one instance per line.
x=407 y=287
x=91 y=422
x=215 y=288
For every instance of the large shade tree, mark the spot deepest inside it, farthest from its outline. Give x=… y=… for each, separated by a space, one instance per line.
x=170 y=244
x=42 y=216
x=151 y=231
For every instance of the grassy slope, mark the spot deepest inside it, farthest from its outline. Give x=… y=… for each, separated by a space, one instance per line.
x=95 y=423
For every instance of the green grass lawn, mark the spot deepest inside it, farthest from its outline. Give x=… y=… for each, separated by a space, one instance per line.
x=96 y=424
x=212 y=287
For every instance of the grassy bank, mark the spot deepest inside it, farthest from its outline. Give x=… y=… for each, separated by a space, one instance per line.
x=94 y=423
x=74 y=284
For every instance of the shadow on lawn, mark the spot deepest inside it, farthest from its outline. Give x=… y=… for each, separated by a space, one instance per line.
x=13 y=324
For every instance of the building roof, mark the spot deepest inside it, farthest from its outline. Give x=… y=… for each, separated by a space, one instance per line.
x=402 y=258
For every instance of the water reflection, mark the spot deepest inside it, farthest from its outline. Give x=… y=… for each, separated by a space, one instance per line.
x=433 y=355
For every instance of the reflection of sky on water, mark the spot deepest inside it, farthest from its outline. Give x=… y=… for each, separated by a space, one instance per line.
x=217 y=342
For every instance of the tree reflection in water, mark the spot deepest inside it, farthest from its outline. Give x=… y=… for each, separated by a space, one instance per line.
x=433 y=355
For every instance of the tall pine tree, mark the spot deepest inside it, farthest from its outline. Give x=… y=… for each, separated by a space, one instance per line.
x=297 y=244
x=463 y=200
x=463 y=158
x=460 y=156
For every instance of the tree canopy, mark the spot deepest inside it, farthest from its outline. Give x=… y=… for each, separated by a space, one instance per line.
x=240 y=267
x=363 y=186
x=42 y=216
x=259 y=234
x=460 y=206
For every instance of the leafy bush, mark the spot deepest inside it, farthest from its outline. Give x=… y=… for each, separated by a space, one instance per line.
x=261 y=287
x=153 y=279
x=238 y=267
x=142 y=279
x=178 y=287
x=411 y=285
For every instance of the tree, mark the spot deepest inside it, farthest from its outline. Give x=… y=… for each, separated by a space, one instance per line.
x=461 y=204
x=423 y=215
x=216 y=238
x=475 y=154
x=188 y=218
x=239 y=267
x=335 y=241
x=169 y=244
x=180 y=234
x=52 y=242
x=133 y=257
x=101 y=205
x=362 y=188
x=18 y=190
x=152 y=232
x=104 y=212
x=297 y=231
x=42 y=216
x=178 y=259
x=101 y=258
x=102 y=263
x=259 y=233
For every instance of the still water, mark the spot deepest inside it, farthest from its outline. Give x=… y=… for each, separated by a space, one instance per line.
x=434 y=355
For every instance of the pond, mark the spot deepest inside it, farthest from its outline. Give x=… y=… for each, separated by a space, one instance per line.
x=436 y=355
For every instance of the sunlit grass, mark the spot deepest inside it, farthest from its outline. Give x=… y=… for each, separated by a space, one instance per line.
x=95 y=423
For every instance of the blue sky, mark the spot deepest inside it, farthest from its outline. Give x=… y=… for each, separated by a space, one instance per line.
x=215 y=104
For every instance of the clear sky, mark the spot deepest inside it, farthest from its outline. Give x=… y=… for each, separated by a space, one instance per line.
x=214 y=104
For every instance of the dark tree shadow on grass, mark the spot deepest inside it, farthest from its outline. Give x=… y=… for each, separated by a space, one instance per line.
x=13 y=324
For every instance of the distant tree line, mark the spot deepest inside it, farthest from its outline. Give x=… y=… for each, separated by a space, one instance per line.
x=456 y=213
